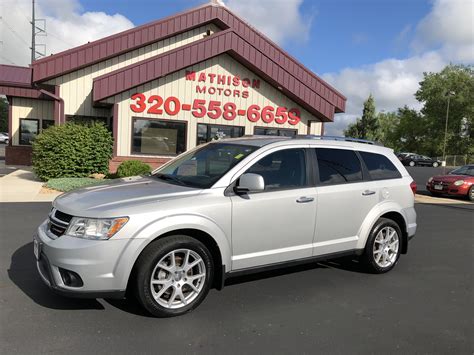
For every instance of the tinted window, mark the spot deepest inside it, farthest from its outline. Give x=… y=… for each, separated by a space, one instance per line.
x=156 y=137
x=284 y=169
x=379 y=166
x=260 y=131
x=209 y=132
x=29 y=129
x=338 y=166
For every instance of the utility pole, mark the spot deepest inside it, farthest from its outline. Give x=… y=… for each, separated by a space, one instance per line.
x=37 y=30
x=33 y=33
x=449 y=94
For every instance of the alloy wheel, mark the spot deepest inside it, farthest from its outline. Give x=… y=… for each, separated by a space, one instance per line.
x=385 y=249
x=178 y=278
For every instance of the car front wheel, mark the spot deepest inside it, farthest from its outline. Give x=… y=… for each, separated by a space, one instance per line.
x=470 y=194
x=435 y=164
x=412 y=163
x=382 y=249
x=173 y=275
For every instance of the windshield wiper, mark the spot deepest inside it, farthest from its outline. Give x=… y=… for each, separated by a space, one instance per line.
x=169 y=178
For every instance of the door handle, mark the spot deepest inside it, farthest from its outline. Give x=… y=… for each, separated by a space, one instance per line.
x=305 y=199
x=368 y=193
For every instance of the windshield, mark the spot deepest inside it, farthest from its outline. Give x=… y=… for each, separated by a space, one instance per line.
x=201 y=168
x=464 y=170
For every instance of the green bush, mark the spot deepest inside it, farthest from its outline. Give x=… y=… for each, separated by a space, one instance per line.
x=68 y=184
x=72 y=150
x=132 y=168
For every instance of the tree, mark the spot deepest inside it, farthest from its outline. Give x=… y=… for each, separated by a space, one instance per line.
x=387 y=123
x=366 y=126
x=457 y=82
x=3 y=114
x=409 y=134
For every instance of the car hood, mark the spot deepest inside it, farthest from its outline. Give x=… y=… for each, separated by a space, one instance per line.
x=451 y=178
x=100 y=200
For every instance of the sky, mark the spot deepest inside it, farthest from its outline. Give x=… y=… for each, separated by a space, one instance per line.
x=361 y=47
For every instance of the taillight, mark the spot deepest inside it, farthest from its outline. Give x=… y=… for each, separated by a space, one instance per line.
x=413 y=187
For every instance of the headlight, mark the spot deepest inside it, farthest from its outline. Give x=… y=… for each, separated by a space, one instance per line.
x=459 y=182
x=95 y=228
x=430 y=179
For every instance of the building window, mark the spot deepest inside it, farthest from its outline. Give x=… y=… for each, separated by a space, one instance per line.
x=158 y=137
x=209 y=132
x=261 y=131
x=46 y=124
x=31 y=127
x=79 y=119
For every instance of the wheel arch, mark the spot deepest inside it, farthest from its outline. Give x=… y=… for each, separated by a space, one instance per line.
x=388 y=210
x=197 y=227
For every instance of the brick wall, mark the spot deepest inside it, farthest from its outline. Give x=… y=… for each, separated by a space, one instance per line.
x=18 y=155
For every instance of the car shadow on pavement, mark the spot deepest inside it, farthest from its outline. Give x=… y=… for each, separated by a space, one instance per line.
x=348 y=263
x=24 y=274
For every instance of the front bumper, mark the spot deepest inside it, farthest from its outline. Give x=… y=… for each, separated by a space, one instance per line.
x=450 y=189
x=103 y=266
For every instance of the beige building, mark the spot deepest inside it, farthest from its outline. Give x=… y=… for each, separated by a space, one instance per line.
x=165 y=87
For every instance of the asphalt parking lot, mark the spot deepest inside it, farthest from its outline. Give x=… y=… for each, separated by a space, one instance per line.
x=423 y=306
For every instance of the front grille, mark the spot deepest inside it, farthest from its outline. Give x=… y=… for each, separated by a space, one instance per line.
x=445 y=184
x=58 y=222
x=64 y=217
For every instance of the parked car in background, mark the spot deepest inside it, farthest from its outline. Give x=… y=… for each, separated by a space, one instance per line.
x=459 y=182
x=4 y=137
x=419 y=160
x=224 y=209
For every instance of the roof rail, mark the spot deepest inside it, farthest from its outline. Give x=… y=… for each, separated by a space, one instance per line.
x=338 y=138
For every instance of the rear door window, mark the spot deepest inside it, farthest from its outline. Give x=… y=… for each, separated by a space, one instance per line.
x=338 y=166
x=284 y=169
x=379 y=166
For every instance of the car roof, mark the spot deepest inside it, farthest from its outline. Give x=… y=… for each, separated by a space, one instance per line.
x=327 y=141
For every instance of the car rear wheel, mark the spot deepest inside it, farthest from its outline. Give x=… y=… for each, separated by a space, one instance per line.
x=435 y=164
x=470 y=194
x=173 y=275
x=382 y=249
x=412 y=163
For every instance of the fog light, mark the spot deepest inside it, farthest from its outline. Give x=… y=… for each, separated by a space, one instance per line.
x=70 y=278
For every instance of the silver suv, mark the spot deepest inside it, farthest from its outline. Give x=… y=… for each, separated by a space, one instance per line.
x=223 y=209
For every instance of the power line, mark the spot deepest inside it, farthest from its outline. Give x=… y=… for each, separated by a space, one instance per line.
x=6 y=59
x=13 y=31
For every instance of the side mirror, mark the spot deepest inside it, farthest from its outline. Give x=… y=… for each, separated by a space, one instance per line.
x=250 y=183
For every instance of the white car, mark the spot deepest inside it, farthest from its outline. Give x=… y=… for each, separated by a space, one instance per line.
x=227 y=208
x=4 y=138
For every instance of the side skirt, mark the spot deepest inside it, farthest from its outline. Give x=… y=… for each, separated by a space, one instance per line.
x=285 y=264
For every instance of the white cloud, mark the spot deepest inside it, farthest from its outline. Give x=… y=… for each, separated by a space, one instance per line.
x=445 y=35
x=66 y=26
x=280 y=20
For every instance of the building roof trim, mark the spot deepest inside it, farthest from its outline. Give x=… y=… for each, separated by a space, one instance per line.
x=229 y=42
x=91 y=53
x=13 y=75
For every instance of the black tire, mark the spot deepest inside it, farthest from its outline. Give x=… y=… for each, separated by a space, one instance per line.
x=368 y=258
x=470 y=194
x=435 y=164
x=149 y=259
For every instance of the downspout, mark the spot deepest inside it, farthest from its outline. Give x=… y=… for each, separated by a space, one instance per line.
x=60 y=101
